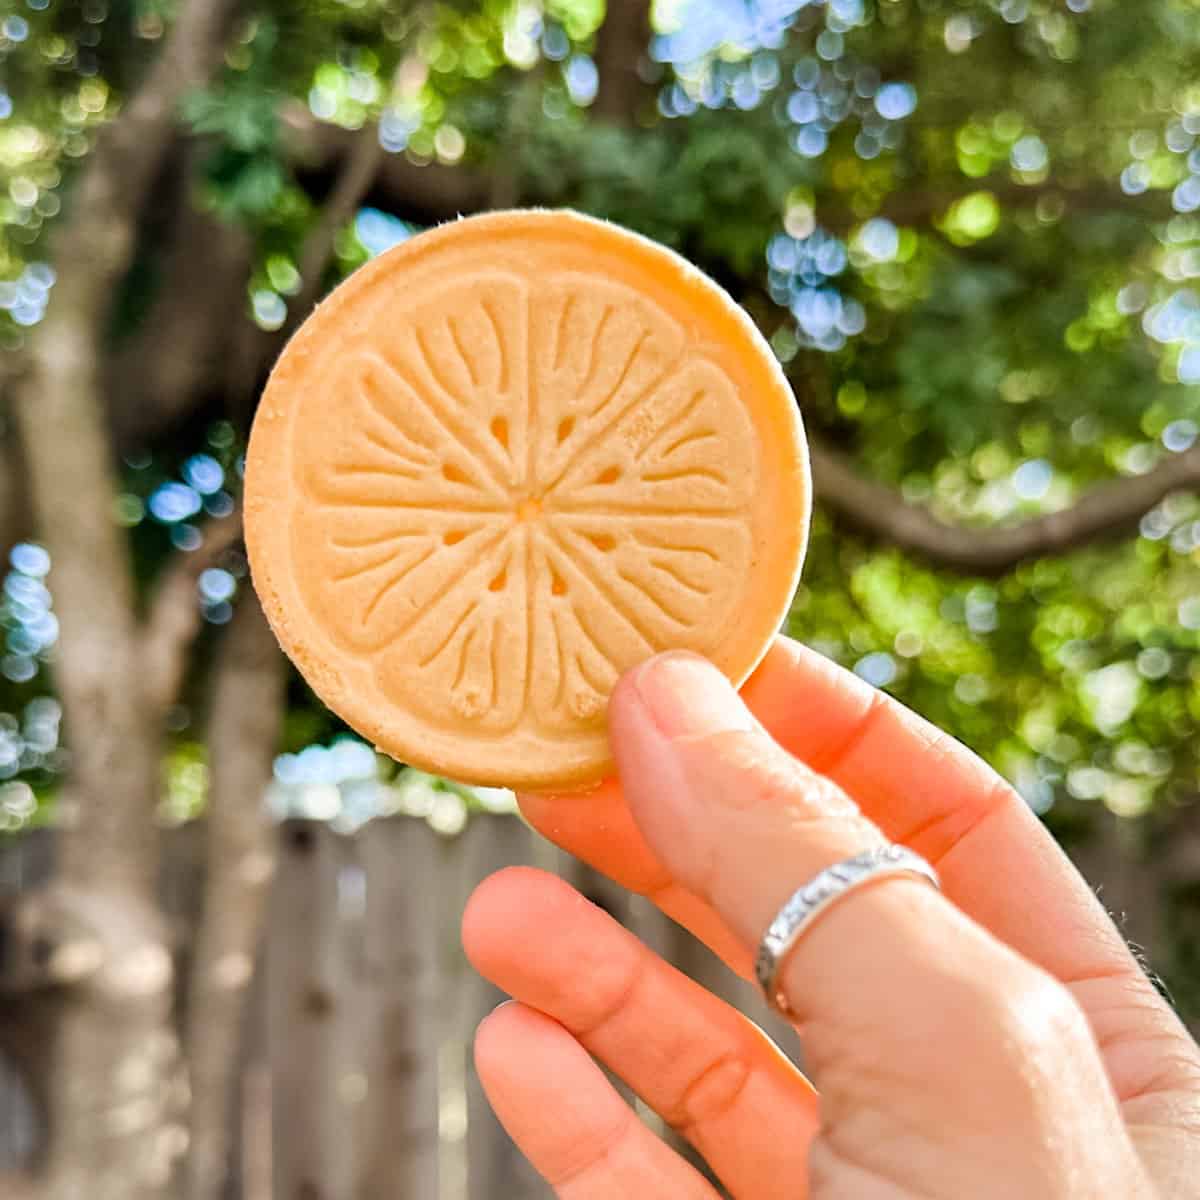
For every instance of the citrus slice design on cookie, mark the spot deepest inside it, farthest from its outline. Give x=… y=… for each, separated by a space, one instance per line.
x=503 y=463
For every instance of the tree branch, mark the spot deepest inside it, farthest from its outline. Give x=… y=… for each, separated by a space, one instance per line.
x=1107 y=511
x=359 y=158
x=426 y=194
x=128 y=152
x=621 y=45
x=433 y=193
x=173 y=618
x=1111 y=510
x=359 y=166
x=187 y=349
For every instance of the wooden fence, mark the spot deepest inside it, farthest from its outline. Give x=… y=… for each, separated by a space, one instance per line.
x=356 y=1081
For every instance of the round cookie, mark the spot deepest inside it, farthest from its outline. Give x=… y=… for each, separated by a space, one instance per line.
x=503 y=463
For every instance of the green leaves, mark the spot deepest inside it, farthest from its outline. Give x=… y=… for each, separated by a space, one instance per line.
x=241 y=121
x=243 y=115
x=244 y=186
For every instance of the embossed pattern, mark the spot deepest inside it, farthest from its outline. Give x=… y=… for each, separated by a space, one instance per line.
x=500 y=488
x=532 y=492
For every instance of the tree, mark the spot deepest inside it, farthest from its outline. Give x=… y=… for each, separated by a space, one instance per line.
x=968 y=228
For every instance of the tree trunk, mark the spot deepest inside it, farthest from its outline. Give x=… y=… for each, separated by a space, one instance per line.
x=247 y=713
x=114 y=1095
x=621 y=46
x=115 y=1051
x=16 y=521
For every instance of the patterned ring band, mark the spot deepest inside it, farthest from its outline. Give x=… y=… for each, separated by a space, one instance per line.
x=820 y=893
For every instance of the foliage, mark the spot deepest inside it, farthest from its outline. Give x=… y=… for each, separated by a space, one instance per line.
x=970 y=227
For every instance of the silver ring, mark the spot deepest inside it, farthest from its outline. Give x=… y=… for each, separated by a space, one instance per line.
x=820 y=893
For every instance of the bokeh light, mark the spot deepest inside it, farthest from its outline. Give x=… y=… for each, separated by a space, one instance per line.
x=26 y=614
x=347 y=783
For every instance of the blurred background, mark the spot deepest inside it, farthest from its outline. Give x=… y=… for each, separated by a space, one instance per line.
x=970 y=230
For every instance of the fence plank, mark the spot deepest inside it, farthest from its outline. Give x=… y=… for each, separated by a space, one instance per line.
x=299 y=1006
x=352 y=1039
x=250 y=1138
x=402 y=858
x=26 y=859
x=26 y=862
x=19 y=1125
x=496 y=1169
x=456 y=980
x=358 y=1058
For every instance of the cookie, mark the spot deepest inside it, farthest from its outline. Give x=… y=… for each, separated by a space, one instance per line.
x=505 y=462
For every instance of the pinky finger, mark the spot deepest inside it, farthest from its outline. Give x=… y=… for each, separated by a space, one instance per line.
x=568 y=1120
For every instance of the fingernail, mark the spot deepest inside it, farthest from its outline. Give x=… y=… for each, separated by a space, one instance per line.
x=502 y=1004
x=688 y=697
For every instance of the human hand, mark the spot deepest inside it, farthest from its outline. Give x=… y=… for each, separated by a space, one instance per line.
x=996 y=1040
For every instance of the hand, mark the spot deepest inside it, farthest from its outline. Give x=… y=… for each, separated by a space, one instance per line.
x=996 y=1040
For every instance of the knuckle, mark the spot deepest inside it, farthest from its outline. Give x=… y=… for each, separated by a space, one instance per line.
x=1030 y=1039
x=836 y=757
x=612 y=984
x=1042 y=1017
x=713 y=1092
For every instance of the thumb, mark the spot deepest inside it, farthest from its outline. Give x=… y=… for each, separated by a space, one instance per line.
x=947 y=1063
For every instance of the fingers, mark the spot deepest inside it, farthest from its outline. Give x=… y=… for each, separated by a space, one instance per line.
x=566 y=1117
x=910 y=1012
x=695 y=1060
x=926 y=790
